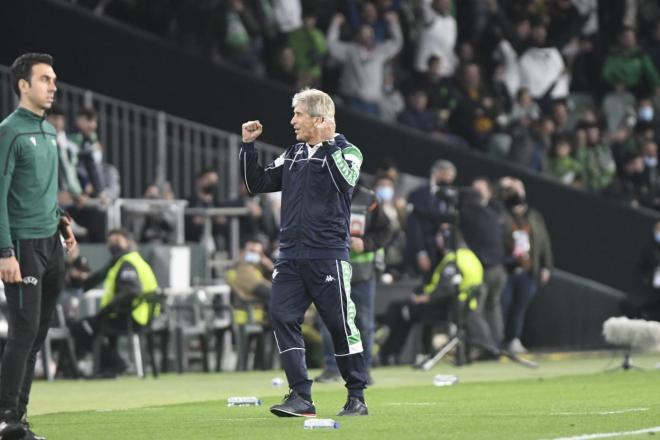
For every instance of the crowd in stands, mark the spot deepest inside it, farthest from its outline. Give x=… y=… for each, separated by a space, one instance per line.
x=568 y=88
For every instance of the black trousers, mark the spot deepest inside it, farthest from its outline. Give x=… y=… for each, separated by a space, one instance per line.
x=30 y=307
x=111 y=325
x=401 y=315
x=327 y=284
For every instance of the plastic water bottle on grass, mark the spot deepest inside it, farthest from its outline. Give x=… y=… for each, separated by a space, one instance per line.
x=243 y=401
x=320 y=424
x=444 y=380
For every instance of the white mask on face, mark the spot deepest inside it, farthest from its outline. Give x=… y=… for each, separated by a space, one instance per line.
x=646 y=113
x=252 y=257
x=385 y=193
x=650 y=161
x=98 y=156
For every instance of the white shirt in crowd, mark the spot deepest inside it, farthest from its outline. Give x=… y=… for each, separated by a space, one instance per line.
x=437 y=38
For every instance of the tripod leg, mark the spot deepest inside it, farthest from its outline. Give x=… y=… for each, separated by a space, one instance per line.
x=449 y=346
x=520 y=360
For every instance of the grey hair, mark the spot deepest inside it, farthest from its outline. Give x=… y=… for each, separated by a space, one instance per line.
x=443 y=165
x=318 y=103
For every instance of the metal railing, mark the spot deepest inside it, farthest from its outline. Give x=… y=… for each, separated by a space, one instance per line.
x=149 y=146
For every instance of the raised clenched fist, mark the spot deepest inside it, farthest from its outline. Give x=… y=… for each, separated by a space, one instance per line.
x=251 y=130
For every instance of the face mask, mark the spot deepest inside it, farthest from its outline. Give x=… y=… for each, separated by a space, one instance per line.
x=98 y=156
x=116 y=250
x=651 y=162
x=252 y=257
x=77 y=283
x=514 y=199
x=208 y=189
x=385 y=193
x=646 y=113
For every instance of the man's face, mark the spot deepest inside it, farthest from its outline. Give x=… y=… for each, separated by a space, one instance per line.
x=634 y=166
x=435 y=68
x=650 y=149
x=366 y=36
x=40 y=90
x=419 y=101
x=472 y=76
x=441 y=6
x=86 y=126
x=369 y=13
x=117 y=241
x=444 y=176
x=303 y=124
x=287 y=59
x=628 y=39
x=482 y=187
x=255 y=247
x=539 y=34
x=593 y=135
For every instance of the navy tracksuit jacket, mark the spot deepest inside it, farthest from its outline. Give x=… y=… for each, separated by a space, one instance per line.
x=314 y=245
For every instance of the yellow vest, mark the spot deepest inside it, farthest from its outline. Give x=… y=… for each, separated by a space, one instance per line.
x=147 y=280
x=472 y=275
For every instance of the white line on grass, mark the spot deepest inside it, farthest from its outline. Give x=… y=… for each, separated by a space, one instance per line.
x=243 y=419
x=612 y=434
x=600 y=413
x=412 y=403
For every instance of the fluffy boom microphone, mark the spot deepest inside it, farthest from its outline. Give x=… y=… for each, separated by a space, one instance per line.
x=632 y=333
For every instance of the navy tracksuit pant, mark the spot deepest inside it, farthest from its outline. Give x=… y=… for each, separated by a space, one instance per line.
x=327 y=284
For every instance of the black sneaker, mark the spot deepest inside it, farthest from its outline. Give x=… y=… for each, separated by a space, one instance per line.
x=354 y=407
x=327 y=376
x=293 y=406
x=10 y=427
x=29 y=434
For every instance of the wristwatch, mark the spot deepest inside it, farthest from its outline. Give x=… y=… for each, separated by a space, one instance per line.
x=6 y=252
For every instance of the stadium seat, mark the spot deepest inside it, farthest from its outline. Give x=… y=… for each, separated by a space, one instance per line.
x=59 y=332
x=189 y=325
x=157 y=308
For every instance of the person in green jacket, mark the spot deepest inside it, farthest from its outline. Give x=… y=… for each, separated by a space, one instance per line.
x=309 y=48
x=628 y=64
x=594 y=157
x=31 y=250
x=562 y=165
x=528 y=257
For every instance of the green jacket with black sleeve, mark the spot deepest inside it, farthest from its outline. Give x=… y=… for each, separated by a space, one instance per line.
x=28 y=178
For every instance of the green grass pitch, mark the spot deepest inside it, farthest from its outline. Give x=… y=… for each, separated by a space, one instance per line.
x=564 y=397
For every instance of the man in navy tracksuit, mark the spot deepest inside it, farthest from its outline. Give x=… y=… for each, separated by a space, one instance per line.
x=316 y=177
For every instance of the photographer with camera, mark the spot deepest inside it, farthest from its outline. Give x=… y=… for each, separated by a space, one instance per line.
x=455 y=278
x=528 y=257
x=430 y=205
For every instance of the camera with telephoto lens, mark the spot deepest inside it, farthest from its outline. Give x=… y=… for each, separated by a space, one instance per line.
x=448 y=194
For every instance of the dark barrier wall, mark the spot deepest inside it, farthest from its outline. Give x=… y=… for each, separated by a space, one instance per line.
x=568 y=313
x=592 y=237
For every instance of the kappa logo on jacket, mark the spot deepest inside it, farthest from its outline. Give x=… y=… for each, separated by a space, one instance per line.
x=30 y=280
x=329 y=279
